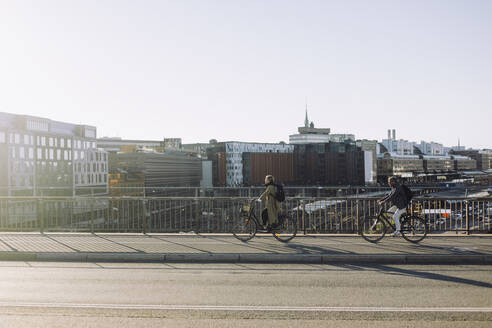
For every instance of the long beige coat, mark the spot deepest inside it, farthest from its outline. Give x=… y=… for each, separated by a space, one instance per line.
x=272 y=205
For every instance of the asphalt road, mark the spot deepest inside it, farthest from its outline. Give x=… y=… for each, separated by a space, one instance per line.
x=39 y=294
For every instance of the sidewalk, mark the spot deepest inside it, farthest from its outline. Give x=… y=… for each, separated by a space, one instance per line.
x=224 y=248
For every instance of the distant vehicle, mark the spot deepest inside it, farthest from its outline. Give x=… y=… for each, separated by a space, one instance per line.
x=437 y=213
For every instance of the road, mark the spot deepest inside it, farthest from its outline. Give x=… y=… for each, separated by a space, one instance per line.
x=39 y=294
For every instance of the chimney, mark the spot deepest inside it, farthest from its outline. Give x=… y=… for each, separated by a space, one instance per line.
x=389 y=134
x=394 y=134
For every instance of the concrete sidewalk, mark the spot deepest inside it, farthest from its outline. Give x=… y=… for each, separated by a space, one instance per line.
x=224 y=248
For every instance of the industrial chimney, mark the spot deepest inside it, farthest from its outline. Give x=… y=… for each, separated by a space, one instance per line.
x=394 y=134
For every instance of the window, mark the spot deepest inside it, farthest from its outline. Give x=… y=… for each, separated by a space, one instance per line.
x=43 y=141
x=2 y=137
x=58 y=154
x=65 y=155
x=51 y=154
x=26 y=139
x=50 y=140
x=31 y=153
x=17 y=138
x=69 y=143
x=40 y=153
x=62 y=142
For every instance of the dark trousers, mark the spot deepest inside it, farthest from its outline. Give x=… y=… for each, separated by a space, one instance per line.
x=264 y=216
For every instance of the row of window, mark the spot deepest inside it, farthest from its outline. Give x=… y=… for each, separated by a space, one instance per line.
x=54 y=154
x=61 y=167
x=93 y=168
x=57 y=180
x=30 y=140
x=90 y=178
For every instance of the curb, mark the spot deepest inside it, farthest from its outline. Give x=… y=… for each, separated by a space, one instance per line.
x=437 y=259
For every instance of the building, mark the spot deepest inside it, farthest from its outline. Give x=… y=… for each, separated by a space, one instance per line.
x=431 y=148
x=398 y=147
x=370 y=149
x=329 y=164
x=398 y=165
x=308 y=134
x=150 y=173
x=483 y=157
x=257 y=165
x=42 y=157
x=227 y=159
x=437 y=164
x=117 y=145
x=464 y=163
x=200 y=149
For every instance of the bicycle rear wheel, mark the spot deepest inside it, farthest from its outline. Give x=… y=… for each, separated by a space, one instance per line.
x=413 y=229
x=287 y=228
x=373 y=229
x=244 y=229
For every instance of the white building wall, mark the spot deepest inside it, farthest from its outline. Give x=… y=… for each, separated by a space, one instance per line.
x=368 y=167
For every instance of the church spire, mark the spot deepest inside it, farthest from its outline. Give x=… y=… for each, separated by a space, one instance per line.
x=306 y=120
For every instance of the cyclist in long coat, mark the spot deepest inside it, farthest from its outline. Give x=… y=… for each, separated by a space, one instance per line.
x=272 y=204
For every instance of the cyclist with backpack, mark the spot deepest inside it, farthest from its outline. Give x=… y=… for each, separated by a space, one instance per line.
x=273 y=207
x=399 y=197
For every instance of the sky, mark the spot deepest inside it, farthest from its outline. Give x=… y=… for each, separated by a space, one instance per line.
x=245 y=70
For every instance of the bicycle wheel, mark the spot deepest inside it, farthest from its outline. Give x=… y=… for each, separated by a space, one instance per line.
x=244 y=229
x=287 y=228
x=413 y=228
x=373 y=229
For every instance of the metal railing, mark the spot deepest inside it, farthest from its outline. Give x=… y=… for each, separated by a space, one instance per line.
x=217 y=214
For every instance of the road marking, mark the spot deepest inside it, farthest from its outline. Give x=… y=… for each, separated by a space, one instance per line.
x=241 y=307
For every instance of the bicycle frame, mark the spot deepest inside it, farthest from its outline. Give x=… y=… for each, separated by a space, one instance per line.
x=382 y=216
x=251 y=214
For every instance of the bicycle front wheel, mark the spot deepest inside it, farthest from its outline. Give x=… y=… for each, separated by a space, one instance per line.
x=244 y=229
x=287 y=228
x=413 y=229
x=373 y=229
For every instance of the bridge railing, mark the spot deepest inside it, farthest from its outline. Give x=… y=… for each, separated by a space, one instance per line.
x=217 y=214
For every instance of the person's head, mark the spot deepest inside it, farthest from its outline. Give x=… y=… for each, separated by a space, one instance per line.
x=392 y=181
x=269 y=179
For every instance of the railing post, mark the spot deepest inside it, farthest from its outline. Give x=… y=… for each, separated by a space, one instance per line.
x=41 y=215
x=357 y=216
x=303 y=216
x=92 y=215
x=467 y=219
x=197 y=216
x=144 y=214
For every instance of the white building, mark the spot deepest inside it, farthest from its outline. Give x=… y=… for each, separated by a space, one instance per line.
x=431 y=148
x=40 y=157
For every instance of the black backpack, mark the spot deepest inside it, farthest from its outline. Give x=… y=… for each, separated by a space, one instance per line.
x=279 y=192
x=408 y=193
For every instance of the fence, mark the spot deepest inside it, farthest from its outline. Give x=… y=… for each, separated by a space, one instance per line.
x=216 y=215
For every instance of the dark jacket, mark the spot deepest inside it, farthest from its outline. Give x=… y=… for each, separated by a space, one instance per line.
x=397 y=197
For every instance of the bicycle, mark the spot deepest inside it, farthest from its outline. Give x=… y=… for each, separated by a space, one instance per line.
x=248 y=225
x=412 y=227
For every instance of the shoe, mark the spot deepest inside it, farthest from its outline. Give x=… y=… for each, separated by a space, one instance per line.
x=396 y=234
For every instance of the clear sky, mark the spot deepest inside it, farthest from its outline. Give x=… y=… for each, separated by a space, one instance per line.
x=242 y=70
